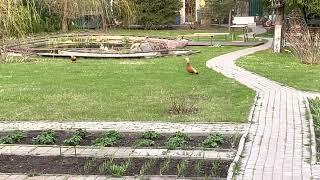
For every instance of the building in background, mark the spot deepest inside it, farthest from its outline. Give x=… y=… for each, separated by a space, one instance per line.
x=191 y=10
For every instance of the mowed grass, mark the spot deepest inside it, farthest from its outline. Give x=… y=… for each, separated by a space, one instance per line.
x=283 y=68
x=178 y=33
x=120 y=90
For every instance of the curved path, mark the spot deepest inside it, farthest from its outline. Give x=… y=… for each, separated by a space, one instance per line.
x=278 y=142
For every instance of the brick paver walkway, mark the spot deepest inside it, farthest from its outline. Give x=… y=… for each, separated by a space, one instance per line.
x=278 y=142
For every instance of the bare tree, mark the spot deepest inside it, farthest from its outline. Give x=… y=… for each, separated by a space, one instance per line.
x=68 y=9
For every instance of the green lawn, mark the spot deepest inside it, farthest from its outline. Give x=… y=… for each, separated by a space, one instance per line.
x=284 y=68
x=114 y=90
x=165 y=33
x=176 y=33
x=268 y=34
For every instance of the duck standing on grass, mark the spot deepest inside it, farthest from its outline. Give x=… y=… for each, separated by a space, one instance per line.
x=190 y=69
x=73 y=59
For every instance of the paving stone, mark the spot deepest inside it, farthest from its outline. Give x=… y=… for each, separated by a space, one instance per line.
x=8 y=149
x=277 y=144
x=3 y=176
x=56 y=177
x=37 y=178
x=190 y=128
x=40 y=150
x=16 y=177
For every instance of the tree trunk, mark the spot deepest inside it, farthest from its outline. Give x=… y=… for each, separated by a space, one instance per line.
x=65 y=22
x=104 y=15
x=279 y=12
x=230 y=19
x=104 y=23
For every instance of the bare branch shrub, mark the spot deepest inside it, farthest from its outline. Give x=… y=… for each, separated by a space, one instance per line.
x=181 y=105
x=304 y=45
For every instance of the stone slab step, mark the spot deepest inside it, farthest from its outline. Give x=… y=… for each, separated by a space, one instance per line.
x=123 y=152
x=161 y=127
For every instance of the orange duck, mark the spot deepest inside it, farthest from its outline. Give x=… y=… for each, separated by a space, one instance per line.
x=190 y=69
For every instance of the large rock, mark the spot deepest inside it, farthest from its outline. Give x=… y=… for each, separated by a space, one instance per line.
x=148 y=47
x=141 y=47
x=175 y=44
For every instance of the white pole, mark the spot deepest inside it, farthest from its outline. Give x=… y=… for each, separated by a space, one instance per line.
x=183 y=13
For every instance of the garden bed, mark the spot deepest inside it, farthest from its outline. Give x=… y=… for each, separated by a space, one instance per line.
x=315 y=111
x=148 y=139
x=34 y=165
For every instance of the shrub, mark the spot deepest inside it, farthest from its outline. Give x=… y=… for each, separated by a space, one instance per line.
x=151 y=13
x=178 y=140
x=152 y=135
x=144 y=143
x=81 y=133
x=108 y=139
x=45 y=138
x=182 y=135
x=213 y=141
x=305 y=45
x=13 y=137
x=76 y=138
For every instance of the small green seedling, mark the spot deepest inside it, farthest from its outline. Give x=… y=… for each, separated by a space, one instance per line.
x=45 y=138
x=178 y=140
x=144 y=143
x=152 y=135
x=13 y=138
x=164 y=166
x=76 y=138
x=182 y=167
x=108 y=139
x=213 y=141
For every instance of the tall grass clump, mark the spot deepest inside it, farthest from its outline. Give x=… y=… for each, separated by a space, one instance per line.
x=18 y=17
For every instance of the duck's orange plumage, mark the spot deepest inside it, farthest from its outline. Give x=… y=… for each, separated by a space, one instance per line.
x=190 y=69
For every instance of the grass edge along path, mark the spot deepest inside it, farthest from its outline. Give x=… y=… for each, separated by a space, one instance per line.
x=283 y=68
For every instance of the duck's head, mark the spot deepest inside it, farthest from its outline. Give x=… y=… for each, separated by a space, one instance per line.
x=187 y=59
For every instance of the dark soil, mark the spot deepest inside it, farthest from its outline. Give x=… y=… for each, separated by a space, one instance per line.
x=80 y=166
x=129 y=139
